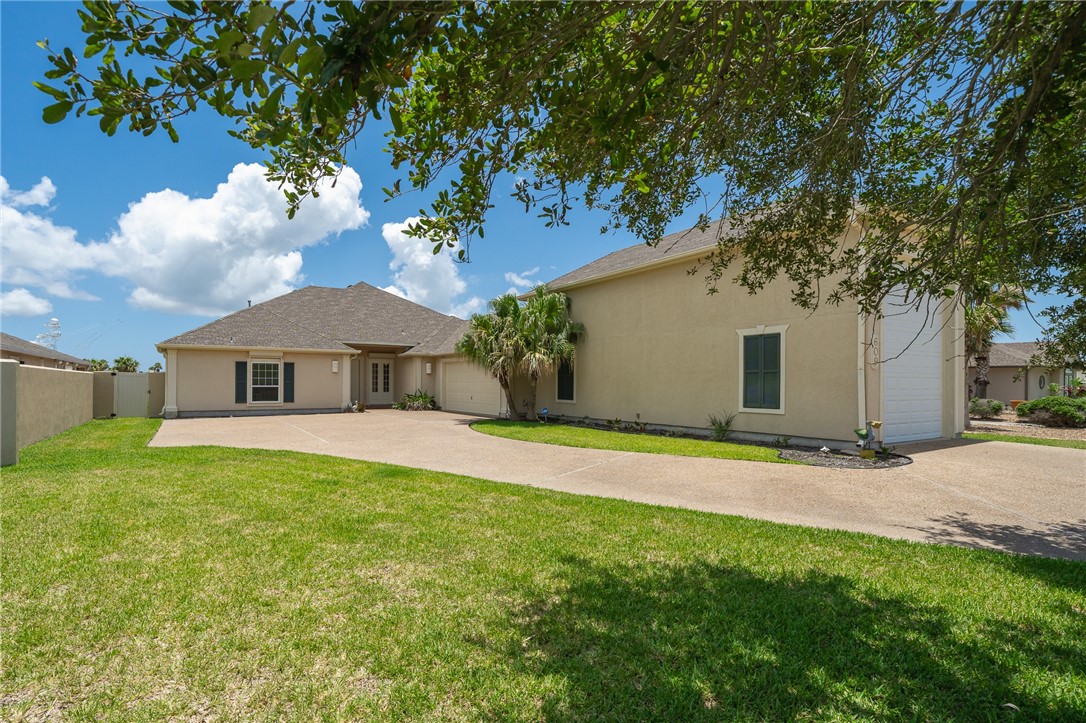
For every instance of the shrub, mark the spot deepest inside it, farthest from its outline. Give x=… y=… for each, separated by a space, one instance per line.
x=417 y=402
x=720 y=427
x=985 y=408
x=1055 y=411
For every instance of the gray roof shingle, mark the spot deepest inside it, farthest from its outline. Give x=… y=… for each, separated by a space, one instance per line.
x=21 y=346
x=321 y=318
x=1012 y=354
x=674 y=245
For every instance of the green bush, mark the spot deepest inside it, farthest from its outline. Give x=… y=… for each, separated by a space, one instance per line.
x=985 y=408
x=417 y=402
x=1055 y=411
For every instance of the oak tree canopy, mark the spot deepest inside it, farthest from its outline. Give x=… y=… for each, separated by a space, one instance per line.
x=957 y=128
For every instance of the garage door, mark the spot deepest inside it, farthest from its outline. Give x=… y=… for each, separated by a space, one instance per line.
x=470 y=390
x=912 y=383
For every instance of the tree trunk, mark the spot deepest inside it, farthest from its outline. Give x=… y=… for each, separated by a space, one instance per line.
x=983 y=369
x=509 y=400
x=532 y=417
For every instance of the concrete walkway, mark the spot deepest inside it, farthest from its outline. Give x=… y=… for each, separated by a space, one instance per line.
x=1021 y=498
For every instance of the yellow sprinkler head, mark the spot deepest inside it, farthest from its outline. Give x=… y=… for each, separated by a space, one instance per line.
x=875 y=423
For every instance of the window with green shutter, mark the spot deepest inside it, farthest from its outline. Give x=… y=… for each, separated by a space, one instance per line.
x=762 y=371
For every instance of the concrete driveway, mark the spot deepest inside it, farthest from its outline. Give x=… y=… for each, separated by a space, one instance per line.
x=1016 y=497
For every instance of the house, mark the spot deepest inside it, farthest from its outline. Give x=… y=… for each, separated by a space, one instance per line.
x=658 y=350
x=321 y=349
x=27 y=352
x=1014 y=376
x=661 y=351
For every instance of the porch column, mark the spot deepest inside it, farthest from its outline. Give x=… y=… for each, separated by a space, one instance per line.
x=170 y=410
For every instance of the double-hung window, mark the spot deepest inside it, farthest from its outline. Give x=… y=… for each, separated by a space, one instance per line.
x=761 y=373
x=265 y=381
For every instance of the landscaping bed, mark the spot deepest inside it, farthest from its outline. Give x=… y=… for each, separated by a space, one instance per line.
x=633 y=437
x=1009 y=423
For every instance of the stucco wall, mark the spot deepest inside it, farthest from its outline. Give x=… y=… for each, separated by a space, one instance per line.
x=659 y=348
x=50 y=401
x=205 y=381
x=1002 y=384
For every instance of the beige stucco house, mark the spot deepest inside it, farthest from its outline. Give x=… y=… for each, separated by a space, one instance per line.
x=1013 y=375
x=659 y=350
x=321 y=349
x=36 y=355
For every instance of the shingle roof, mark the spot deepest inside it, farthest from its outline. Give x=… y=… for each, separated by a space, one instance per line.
x=1012 y=354
x=443 y=340
x=674 y=245
x=22 y=346
x=323 y=319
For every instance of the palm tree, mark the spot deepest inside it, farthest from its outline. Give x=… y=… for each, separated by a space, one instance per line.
x=125 y=364
x=549 y=335
x=986 y=315
x=99 y=365
x=156 y=367
x=494 y=342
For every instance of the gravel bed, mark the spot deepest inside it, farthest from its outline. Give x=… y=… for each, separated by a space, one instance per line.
x=846 y=461
x=1009 y=423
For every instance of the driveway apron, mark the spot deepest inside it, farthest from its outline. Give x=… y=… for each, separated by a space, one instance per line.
x=1015 y=497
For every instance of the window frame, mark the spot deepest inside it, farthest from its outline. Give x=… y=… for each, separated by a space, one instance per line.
x=762 y=330
x=278 y=376
x=573 y=372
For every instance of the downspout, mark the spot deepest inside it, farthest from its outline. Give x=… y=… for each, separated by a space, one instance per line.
x=861 y=371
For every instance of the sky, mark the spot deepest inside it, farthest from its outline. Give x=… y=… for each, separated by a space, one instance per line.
x=130 y=240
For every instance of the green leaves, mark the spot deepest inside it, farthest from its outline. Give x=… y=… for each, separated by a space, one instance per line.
x=57 y=112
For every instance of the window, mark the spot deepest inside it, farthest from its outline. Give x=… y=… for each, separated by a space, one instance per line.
x=265 y=381
x=565 y=389
x=373 y=378
x=385 y=377
x=762 y=370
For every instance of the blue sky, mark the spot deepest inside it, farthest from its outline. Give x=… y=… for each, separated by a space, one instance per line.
x=131 y=240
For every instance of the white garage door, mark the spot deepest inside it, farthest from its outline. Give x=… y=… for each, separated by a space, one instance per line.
x=912 y=383
x=470 y=390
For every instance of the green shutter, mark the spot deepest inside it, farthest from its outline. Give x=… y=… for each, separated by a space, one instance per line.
x=288 y=382
x=241 y=371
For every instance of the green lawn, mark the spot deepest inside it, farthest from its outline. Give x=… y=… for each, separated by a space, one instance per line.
x=993 y=437
x=570 y=436
x=142 y=584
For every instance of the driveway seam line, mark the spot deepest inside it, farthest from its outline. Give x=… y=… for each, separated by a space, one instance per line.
x=309 y=433
x=581 y=469
x=1008 y=510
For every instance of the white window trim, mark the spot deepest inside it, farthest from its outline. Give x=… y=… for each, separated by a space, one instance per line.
x=759 y=331
x=279 y=375
x=556 y=397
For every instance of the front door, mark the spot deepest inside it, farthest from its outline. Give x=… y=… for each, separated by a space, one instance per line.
x=379 y=383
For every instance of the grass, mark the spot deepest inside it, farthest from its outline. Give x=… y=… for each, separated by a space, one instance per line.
x=994 y=437
x=571 y=436
x=143 y=584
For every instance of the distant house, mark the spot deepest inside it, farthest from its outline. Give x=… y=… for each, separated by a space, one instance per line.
x=659 y=350
x=27 y=352
x=321 y=349
x=1013 y=375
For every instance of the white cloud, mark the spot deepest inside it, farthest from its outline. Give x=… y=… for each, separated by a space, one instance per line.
x=20 y=302
x=183 y=254
x=522 y=282
x=424 y=277
x=39 y=195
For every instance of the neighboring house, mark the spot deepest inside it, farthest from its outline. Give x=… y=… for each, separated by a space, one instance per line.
x=321 y=349
x=27 y=352
x=1013 y=376
x=661 y=351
